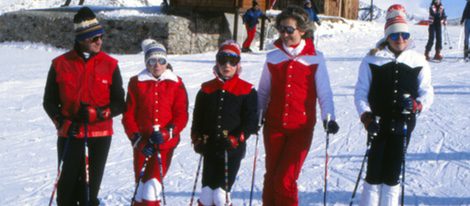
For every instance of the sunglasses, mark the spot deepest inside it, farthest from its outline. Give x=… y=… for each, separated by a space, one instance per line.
x=95 y=38
x=224 y=57
x=154 y=61
x=395 y=36
x=286 y=29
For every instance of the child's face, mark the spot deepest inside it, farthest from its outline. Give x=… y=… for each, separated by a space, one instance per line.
x=287 y=37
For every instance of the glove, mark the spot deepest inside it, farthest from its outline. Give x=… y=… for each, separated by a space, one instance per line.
x=91 y=114
x=331 y=127
x=149 y=150
x=411 y=105
x=136 y=139
x=232 y=142
x=372 y=127
x=74 y=129
x=199 y=143
x=319 y=23
x=156 y=137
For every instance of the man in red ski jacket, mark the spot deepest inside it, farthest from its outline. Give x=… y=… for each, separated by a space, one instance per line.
x=293 y=78
x=84 y=87
x=155 y=97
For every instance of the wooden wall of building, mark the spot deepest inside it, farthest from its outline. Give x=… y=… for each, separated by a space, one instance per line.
x=344 y=8
x=216 y=5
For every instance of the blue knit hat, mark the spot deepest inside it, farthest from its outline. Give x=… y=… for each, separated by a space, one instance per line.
x=86 y=25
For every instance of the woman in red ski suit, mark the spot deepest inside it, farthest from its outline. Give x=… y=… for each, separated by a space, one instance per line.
x=293 y=78
x=156 y=98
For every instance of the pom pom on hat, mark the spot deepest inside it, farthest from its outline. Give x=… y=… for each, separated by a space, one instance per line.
x=153 y=49
x=86 y=25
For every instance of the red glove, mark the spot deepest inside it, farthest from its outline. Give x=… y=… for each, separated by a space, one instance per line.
x=232 y=142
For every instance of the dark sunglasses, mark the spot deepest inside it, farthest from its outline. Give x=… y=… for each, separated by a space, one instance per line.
x=224 y=57
x=95 y=38
x=154 y=61
x=286 y=29
x=395 y=36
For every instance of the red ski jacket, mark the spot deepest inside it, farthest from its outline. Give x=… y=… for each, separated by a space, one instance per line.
x=152 y=101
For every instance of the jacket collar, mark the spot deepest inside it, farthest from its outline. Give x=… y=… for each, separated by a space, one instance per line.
x=145 y=75
x=305 y=47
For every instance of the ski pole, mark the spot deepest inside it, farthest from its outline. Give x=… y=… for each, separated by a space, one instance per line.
x=406 y=114
x=160 y=164
x=370 y=137
x=226 y=170
x=260 y=120
x=87 y=168
x=197 y=173
x=447 y=37
x=141 y=174
x=328 y=117
x=59 y=170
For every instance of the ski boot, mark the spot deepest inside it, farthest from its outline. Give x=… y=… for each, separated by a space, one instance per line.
x=426 y=54
x=246 y=50
x=438 y=56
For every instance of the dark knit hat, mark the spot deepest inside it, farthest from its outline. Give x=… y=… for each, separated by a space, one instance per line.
x=86 y=25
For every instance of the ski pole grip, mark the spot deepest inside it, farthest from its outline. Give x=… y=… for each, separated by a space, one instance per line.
x=156 y=128
x=405 y=96
x=328 y=118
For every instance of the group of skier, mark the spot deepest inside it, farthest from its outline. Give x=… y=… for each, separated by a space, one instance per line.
x=84 y=92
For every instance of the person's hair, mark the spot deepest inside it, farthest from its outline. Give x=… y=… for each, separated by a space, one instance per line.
x=294 y=12
x=434 y=2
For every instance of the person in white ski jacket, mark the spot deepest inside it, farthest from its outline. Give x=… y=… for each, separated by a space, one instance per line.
x=392 y=79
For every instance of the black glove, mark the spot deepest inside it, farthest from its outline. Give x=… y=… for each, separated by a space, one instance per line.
x=331 y=127
x=156 y=137
x=199 y=143
x=149 y=150
x=136 y=139
x=411 y=105
x=74 y=129
x=372 y=126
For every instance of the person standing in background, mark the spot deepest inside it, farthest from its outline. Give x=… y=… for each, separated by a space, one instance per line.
x=437 y=18
x=83 y=93
x=250 y=19
x=312 y=16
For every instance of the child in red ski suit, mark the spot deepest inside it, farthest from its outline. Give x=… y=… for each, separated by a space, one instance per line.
x=156 y=98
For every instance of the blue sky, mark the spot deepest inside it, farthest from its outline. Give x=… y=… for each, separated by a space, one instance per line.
x=453 y=8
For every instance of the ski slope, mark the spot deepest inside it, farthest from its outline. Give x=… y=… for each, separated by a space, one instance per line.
x=438 y=162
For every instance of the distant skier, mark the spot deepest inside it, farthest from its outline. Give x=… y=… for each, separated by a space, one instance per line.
x=437 y=18
x=83 y=90
x=225 y=115
x=466 y=19
x=294 y=78
x=156 y=97
x=67 y=3
x=385 y=75
x=250 y=19
x=312 y=15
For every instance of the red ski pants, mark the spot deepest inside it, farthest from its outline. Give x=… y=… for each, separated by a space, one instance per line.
x=250 y=36
x=286 y=151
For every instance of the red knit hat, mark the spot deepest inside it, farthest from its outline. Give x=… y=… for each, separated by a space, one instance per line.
x=230 y=45
x=396 y=20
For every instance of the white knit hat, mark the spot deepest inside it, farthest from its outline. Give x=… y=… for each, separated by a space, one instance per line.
x=153 y=49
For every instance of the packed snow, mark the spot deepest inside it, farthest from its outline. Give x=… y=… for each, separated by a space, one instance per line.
x=438 y=161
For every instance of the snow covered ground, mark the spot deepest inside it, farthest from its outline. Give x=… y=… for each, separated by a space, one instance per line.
x=438 y=163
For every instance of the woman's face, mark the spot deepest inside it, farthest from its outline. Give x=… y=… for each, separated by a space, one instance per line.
x=157 y=66
x=228 y=63
x=289 y=32
x=398 y=42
